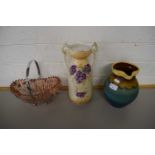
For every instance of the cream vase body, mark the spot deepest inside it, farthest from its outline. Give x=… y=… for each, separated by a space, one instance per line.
x=79 y=71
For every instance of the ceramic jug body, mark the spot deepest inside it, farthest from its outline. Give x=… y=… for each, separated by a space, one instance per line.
x=122 y=88
x=79 y=72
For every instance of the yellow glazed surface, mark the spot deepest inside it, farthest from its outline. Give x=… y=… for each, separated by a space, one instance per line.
x=80 y=54
x=123 y=83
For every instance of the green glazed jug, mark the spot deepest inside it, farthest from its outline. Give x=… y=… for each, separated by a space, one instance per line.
x=121 y=88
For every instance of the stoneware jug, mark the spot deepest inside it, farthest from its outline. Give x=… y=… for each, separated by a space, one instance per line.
x=122 y=87
x=79 y=71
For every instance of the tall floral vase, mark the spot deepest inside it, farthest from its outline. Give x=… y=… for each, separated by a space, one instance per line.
x=79 y=71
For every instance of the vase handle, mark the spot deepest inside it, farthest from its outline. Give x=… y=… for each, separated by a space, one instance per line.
x=65 y=50
x=94 y=50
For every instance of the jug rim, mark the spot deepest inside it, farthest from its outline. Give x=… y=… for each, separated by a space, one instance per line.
x=128 y=73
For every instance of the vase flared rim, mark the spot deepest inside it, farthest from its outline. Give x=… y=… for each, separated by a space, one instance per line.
x=125 y=69
x=79 y=48
x=79 y=51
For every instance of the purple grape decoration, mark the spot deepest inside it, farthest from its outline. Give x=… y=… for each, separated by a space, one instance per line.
x=87 y=68
x=80 y=94
x=80 y=76
x=73 y=69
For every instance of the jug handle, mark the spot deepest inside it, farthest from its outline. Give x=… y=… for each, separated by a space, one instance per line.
x=94 y=50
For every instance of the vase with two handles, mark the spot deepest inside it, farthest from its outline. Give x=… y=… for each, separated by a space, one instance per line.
x=79 y=71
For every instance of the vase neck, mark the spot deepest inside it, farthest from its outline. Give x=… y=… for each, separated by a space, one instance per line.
x=80 y=62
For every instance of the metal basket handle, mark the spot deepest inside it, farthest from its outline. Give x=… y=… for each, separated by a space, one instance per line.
x=28 y=68
x=27 y=75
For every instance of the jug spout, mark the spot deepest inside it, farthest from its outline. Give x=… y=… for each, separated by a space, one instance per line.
x=124 y=69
